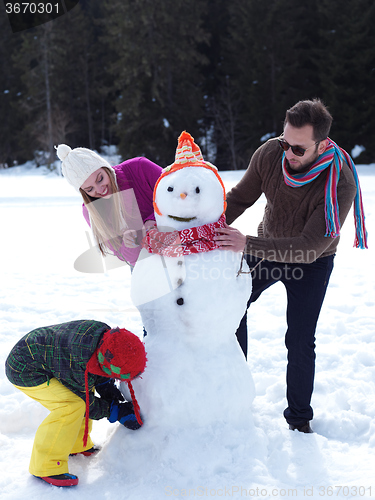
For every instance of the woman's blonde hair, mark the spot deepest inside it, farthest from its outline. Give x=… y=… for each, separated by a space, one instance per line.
x=107 y=217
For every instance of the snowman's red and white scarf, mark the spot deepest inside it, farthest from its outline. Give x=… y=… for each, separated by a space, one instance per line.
x=176 y=243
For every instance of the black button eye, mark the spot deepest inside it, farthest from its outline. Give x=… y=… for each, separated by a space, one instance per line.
x=170 y=189
x=197 y=190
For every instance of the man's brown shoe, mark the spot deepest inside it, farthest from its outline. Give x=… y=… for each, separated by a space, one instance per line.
x=302 y=428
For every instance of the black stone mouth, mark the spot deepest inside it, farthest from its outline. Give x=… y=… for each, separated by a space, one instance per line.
x=181 y=219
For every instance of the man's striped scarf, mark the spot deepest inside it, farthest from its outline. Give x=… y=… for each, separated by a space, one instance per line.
x=333 y=157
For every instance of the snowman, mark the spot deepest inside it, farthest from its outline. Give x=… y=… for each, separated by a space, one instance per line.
x=191 y=298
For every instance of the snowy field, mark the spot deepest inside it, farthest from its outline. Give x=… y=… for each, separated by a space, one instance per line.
x=43 y=233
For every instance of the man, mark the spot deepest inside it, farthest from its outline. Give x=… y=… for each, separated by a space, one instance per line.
x=310 y=184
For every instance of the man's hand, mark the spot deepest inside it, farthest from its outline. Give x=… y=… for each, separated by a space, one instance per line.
x=230 y=238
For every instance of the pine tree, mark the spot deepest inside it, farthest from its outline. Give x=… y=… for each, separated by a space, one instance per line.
x=36 y=59
x=271 y=65
x=157 y=73
x=65 y=81
x=137 y=72
x=347 y=43
x=13 y=145
x=85 y=89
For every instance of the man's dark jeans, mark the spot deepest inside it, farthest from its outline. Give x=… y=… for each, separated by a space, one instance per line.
x=306 y=285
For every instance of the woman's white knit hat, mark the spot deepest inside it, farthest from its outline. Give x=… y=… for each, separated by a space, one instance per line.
x=78 y=164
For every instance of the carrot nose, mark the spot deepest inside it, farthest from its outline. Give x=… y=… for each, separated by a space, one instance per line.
x=183 y=195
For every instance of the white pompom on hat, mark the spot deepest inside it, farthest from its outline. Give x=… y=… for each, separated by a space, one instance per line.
x=78 y=164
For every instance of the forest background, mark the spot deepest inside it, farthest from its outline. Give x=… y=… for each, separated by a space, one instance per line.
x=135 y=73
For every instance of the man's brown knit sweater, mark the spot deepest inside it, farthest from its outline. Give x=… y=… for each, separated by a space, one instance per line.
x=293 y=225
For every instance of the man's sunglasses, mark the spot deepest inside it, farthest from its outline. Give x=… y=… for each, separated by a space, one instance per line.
x=297 y=150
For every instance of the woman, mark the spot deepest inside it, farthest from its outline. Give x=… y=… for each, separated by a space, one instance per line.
x=117 y=200
x=59 y=366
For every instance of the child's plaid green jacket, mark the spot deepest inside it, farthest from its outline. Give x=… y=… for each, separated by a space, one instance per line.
x=61 y=351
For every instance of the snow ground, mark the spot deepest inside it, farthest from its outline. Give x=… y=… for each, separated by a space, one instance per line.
x=44 y=232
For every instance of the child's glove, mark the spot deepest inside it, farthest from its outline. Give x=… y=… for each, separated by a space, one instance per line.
x=124 y=413
x=108 y=391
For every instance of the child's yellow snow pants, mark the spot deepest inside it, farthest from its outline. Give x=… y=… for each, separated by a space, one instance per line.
x=61 y=433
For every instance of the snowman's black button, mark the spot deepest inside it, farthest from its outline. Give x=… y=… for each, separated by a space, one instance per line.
x=180 y=301
x=179 y=263
x=180 y=281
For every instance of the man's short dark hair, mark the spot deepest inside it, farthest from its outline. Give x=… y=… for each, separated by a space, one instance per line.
x=313 y=113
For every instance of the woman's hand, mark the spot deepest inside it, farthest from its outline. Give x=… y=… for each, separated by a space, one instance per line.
x=130 y=235
x=149 y=224
x=230 y=238
x=130 y=238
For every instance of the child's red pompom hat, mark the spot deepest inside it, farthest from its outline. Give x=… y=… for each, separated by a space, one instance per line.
x=120 y=354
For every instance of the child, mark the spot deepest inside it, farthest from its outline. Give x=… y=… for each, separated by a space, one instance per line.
x=60 y=366
x=117 y=200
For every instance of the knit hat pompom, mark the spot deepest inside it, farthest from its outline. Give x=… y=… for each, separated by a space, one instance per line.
x=62 y=151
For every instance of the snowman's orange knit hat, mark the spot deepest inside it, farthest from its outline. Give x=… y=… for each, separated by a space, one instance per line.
x=188 y=154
